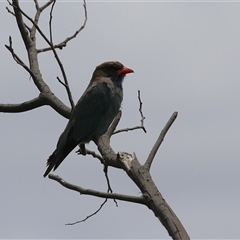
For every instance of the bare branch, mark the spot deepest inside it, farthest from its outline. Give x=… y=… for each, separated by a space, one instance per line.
x=56 y=104
x=22 y=107
x=159 y=141
x=19 y=11
x=20 y=23
x=95 y=193
x=17 y=58
x=95 y=155
x=46 y=94
x=127 y=129
x=12 y=13
x=109 y=156
x=46 y=5
x=36 y=4
x=103 y=143
x=105 y=201
x=105 y=169
x=142 y=119
x=61 y=82
x=18 y=14
x=65 y=84
x=30 y=46
x=64 y=43
x=9 y=11
x=50 y=21
x=154 y=199
x=141 y=113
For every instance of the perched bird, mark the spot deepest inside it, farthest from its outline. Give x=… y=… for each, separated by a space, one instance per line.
x=93 y=113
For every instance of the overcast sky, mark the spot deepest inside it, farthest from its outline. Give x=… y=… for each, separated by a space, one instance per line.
x=185 y=57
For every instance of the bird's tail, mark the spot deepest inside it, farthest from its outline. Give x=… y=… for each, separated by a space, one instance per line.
x=58 y=156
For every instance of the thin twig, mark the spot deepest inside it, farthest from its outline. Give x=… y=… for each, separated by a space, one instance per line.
x=50 y=21
x=12 y=13
x=141 y=120
x=160 y=139
x=105 y=169
x=17 y=59
x=64 y=43
x=127 y=129
x=141 y=113
x=105 y=201
x=61 y=82
x=9 y=11
x=92 y=153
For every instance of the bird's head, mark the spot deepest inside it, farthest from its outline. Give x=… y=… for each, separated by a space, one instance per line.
x=114 y=70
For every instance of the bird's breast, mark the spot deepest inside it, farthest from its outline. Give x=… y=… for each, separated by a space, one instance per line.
x=112 y=110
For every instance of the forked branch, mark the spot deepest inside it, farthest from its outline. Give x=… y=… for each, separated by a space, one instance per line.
x=19 y=11
x=142 y=119
x=29 y=37
x=84 y=191
x=17 y=59
x=63 y=44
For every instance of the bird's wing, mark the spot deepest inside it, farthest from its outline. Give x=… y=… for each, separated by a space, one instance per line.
x=83 y=121
x=89 y=110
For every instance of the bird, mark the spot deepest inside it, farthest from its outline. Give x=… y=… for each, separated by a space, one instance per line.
x=94 y=111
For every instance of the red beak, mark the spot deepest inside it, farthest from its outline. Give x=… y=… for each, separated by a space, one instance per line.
x=125 y=70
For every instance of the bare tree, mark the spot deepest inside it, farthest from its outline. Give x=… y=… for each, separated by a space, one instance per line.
x=140 y=174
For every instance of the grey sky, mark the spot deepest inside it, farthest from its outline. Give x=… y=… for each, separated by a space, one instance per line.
x=186 y=58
